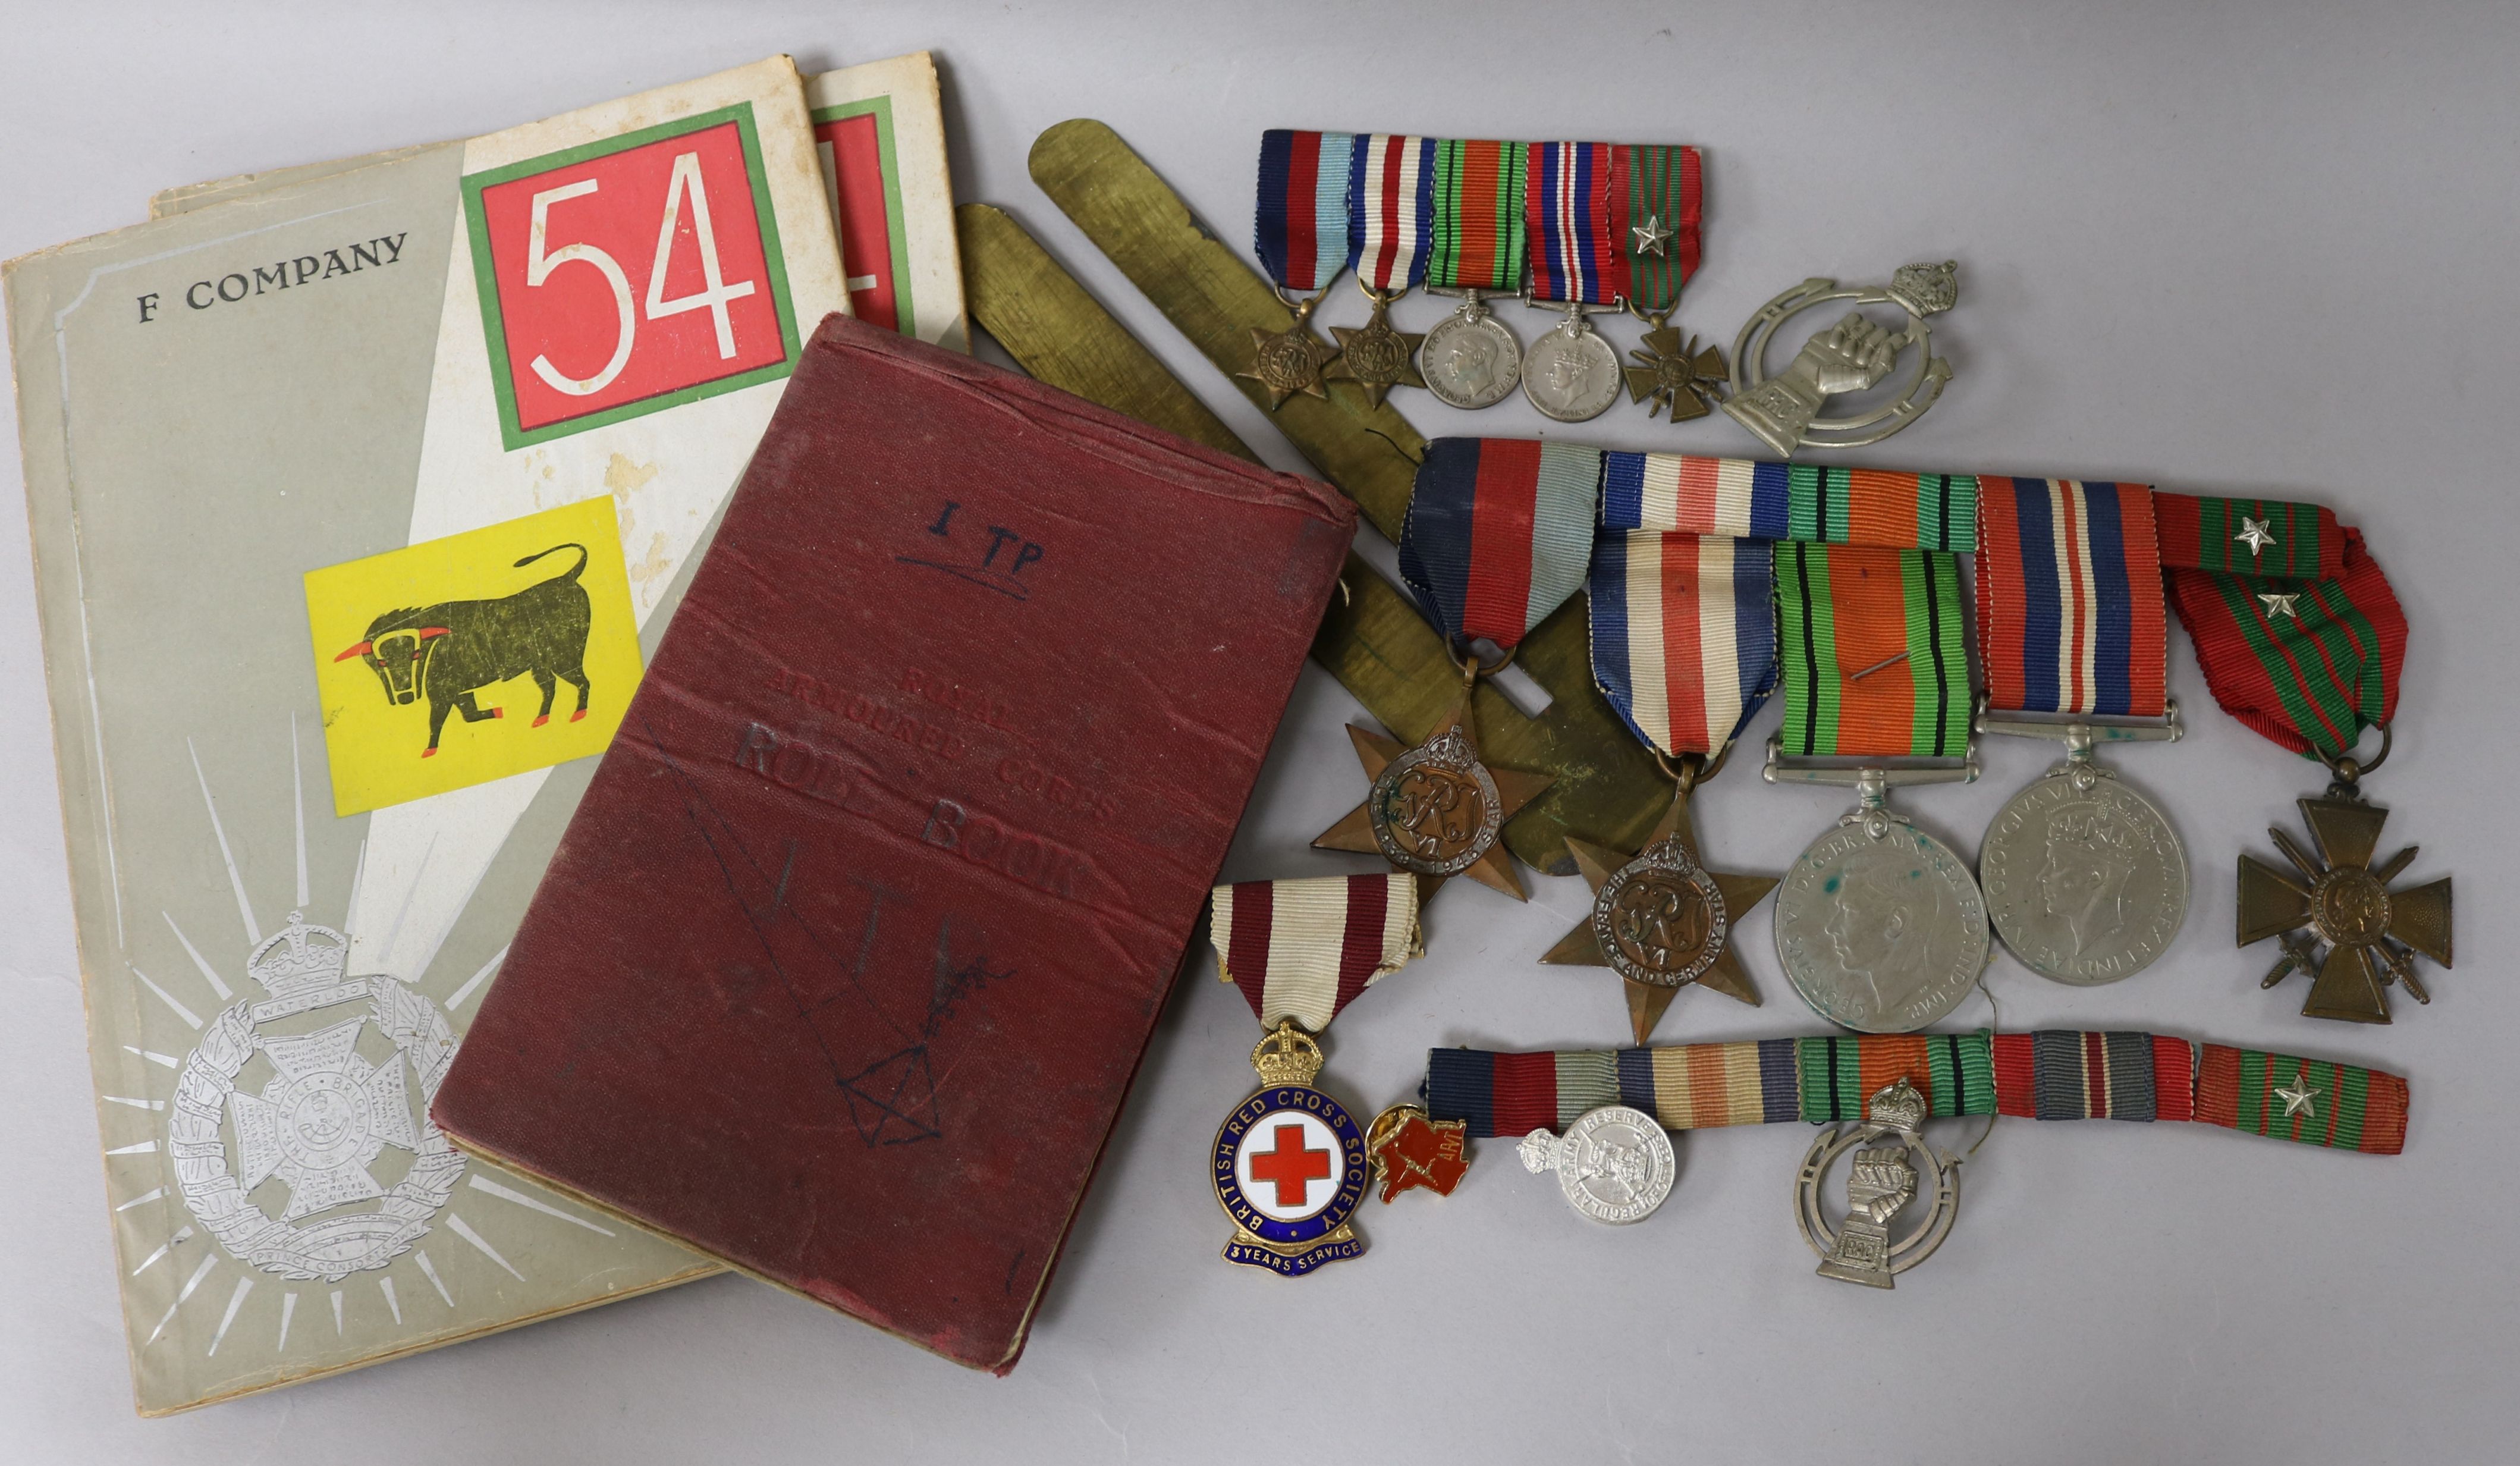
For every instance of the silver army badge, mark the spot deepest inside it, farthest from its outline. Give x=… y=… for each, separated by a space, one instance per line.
x=1615 y=1164
x=1856 y=354
x=1882 y=1185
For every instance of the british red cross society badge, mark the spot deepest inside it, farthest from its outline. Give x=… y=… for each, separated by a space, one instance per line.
x=1291 y=1164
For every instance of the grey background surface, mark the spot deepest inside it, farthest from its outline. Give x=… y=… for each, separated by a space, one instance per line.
x=2223 y=248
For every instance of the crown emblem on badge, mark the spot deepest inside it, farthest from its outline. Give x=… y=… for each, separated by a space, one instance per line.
x=1927 y=289
x=1900 y=1107
x=1287 y=1055
x=299 y=958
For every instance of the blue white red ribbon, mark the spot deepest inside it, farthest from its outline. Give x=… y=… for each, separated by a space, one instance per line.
x=1577 y=197
x=1499 y=533
x=1391 y=209
x=2070 y=612
x=1684 y=634
x=1828 y=505
x=1300 y=220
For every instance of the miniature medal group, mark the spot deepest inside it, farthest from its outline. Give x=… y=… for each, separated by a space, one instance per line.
x=1714 y=584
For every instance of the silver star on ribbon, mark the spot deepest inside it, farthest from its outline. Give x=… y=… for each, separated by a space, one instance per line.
x=2280 y=602
x=2301 y=1098
x=2255 y=534
x=1650 y=236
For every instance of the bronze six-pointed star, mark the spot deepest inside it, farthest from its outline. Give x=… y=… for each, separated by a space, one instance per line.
x=1492 y=867
x=2346 y=904
x=1681 y=929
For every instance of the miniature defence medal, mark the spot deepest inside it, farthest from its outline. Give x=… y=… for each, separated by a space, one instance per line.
x=2301 y=638
x=1391 y=205
x=1300 y=232
x=1471 y=359
x=1577 y=221
x=1673 y=376
x=1854 y=355
x=1495 y=539
x=2085 y=879
x=1291 y=1165
x=1878 y=925
x=1684 y=648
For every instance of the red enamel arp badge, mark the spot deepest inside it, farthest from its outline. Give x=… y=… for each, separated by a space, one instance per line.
x=628 y=276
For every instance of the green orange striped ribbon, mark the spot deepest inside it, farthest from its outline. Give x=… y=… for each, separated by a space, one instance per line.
x=1874 y=651
x=1478 y=229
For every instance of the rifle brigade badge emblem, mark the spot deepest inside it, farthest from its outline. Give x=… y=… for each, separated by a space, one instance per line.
x=1291 y=1164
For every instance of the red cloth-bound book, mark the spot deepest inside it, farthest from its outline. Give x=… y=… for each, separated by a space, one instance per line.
x=851 y=949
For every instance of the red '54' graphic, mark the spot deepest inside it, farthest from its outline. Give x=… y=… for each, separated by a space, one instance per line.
x=630 y=276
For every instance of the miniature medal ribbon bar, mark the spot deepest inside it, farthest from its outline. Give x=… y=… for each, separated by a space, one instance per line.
x=2085 y=879
x=1291 y=1164
x=1598 y=226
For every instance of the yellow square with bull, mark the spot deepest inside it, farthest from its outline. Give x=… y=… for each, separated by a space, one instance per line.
x=475 y=657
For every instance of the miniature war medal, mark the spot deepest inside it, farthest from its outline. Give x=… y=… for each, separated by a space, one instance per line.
x=1471 y=359
x=1666 y=201
x=1879 y=925
x=1391 y=207
x=1497 y=538
x=2301 y=638
x=1578 y=225
x=1684 y=648
x=2084 y=880
x=1291 y=1165
x=1300 y=232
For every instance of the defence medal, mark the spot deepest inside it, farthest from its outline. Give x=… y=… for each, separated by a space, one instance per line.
x=2301 y=638
x=1684 y=648
x=1291 y=1165
x=1855 y=354
x=1673 y=376
x=1437 y=809
x=1300 y=232
x=1576 y=220
x=1391 y=207
x=1878 y=925
x=1471 y=359
x=2084 y=880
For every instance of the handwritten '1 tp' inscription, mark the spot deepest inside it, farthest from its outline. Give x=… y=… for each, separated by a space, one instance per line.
x=991 y=556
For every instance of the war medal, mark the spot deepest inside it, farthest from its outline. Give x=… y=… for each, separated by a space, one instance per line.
x=1391 y=207
x=1471 y=359
x=1684 y=648
x=2301 y=638
x=1666 y=201
x=1878 y=925
x=1437 y=809
x=1577 y=220
x=1300 y=232
x=1852 y=355
x=2084 y=880
x=1291 y=1165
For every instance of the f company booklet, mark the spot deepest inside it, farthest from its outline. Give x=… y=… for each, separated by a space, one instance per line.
x=358 y=502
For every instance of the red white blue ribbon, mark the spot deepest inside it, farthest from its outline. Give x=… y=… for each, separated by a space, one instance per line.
x=1684 y=634
x=1391 y=209
x=1577 y=202
x=1499 y=533
x=1306 y=948
x=2070 y=614
x=1300 y=218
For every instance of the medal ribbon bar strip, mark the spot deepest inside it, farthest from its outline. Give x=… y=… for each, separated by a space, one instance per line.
x=1478 y=238
x=1577 y=205
x=1875 y=659
x=1684 y=634
x=1499 y=533
x=2070 y=616
x=1300 y=218
x=1666 y=186
x=1743 y=496
x=1391 y=209
x=1306 y=948
x=2055 y=1074
x=2309 y=664
x=2214 y=534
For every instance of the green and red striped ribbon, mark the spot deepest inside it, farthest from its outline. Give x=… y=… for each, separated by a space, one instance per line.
x=1664 y=186
x=1874 y=651
x=2248 y=537
x=1478 y=235
x=2309 y=664
x=2348 y=1107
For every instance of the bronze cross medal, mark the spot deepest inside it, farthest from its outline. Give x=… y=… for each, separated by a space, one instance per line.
x=1436 y=809
x=1374 y=356
x=1289 y=361
x=1661 y=919
x=2371 y=931
x=1673 y=376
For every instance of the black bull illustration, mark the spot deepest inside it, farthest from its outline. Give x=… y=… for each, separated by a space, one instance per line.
x=454 y=649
